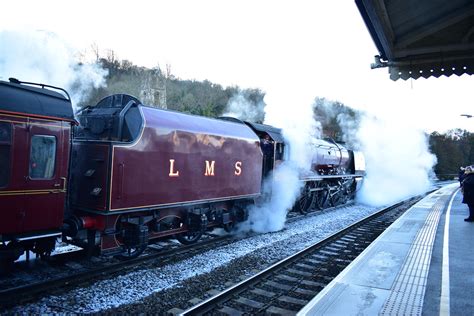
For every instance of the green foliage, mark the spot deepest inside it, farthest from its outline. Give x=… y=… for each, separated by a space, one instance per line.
x=189 y=96
x=196 y=97
x=337 y=120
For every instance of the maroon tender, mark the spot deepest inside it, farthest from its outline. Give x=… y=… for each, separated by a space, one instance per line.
x=162 y=159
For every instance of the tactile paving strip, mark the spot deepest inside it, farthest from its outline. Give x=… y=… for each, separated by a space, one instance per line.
x=408 y=290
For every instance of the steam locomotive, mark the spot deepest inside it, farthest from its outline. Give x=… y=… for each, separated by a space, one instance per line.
x=118 y=175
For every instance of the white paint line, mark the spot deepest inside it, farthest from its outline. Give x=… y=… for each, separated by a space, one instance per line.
x=444 y=302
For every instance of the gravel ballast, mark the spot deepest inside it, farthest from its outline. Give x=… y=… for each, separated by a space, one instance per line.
x=182 y=284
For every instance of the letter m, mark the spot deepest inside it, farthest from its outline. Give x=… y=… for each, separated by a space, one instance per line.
x=209 y=168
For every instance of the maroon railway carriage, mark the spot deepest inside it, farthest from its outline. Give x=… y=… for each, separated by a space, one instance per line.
x=139 y=173
x=35 y=134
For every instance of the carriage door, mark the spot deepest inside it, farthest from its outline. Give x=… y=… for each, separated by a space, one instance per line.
x=45 y=179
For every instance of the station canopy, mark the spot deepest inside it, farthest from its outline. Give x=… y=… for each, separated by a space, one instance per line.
x=421 y=38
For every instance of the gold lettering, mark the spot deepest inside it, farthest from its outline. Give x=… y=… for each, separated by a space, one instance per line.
x=172 y=172
x=238 y=168
x=209 y=168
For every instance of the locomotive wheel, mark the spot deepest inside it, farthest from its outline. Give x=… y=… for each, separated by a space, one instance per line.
x=15 y=250
x=229 y=227
x=133 y=239
x=132 y=252
x=9 y=254
x=344 y=197
x=305 y=201
x=44 y=248
x=351 y=190
x=321 y=198
x=336 y=198
x=189 y=237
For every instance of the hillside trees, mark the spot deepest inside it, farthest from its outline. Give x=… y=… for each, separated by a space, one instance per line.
x=155 y=87
x=125 y=77
x=160 y=88
x=453 y=150
x=337 y=119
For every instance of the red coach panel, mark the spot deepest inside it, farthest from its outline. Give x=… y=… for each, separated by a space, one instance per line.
x=182 y=159
x=35 y=134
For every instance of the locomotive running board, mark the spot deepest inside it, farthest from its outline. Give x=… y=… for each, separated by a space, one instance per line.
x=39 y=236
x=336 y=176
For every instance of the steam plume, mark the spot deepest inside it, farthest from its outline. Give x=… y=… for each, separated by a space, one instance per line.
x=241 y=107
x=397 y=157
x=42 y=57
x=295 y=117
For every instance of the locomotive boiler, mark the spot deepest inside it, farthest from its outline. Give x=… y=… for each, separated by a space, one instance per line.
x=119 y=175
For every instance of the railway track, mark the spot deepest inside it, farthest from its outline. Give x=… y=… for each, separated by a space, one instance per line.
x=32 y=280
x=290 y=284
x=63 y=272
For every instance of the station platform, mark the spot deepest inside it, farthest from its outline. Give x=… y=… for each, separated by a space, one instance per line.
x=423 y=264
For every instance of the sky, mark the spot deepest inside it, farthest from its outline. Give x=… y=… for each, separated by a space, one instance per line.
x=300 y=49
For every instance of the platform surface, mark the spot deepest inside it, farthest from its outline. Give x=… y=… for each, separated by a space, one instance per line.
x=423 y=264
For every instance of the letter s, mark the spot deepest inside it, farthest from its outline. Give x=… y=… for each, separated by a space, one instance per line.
x=238 y=168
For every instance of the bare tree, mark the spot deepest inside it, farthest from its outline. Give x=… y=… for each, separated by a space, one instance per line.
x=168 y=72
x=95 y=51
x=111 y=56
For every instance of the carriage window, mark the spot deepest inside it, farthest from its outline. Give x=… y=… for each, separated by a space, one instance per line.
x=5 y=149
x=42 y=157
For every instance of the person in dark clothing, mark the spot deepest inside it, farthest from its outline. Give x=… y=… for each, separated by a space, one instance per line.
x=461 y=175
x=468 y=191
x=268 y=153
x=267 y=145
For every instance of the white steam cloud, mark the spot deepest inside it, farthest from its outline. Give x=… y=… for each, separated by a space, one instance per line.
x=42 y=57
x=239 y=106
x=284 y=186
x=296 y=119
x=398 y=160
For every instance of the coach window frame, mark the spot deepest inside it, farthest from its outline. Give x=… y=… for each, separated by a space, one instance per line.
x=51 y=172
x=5 y=152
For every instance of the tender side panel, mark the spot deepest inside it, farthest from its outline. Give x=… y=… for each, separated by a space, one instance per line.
x=89 y=175
x=184 y=159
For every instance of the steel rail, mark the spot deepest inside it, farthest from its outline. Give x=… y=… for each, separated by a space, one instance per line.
x=209 y=305
x=12 y=296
